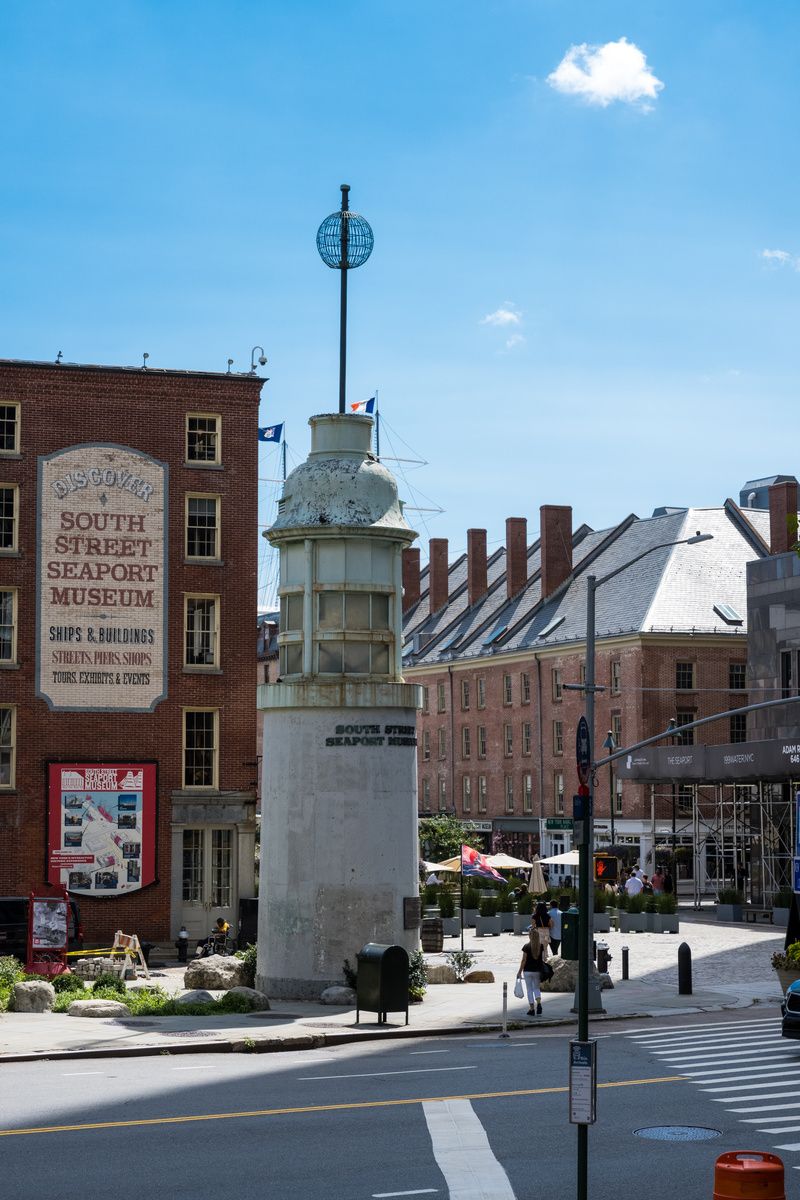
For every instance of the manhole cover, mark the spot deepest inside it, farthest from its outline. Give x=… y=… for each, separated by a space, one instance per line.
x=678 y=1133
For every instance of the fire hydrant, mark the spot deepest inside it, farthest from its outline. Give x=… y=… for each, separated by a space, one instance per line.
x=182 y=945
x=603 y=957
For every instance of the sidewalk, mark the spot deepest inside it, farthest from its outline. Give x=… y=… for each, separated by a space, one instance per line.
x=730 y=969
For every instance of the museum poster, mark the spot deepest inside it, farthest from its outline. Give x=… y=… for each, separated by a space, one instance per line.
x=102 y=827
x=101 y=579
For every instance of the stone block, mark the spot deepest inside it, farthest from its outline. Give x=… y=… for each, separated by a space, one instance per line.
x=33 y=997
x=335 y=995
x=441 y=973
x=218 y=972
x=196 y=996
x=479 y=977
x=98 y=1008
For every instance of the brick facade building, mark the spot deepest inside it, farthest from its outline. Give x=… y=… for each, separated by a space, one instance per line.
x=494 y=640
x=128 y=503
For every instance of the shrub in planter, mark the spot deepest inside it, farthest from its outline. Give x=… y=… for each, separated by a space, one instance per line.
x=667 y=904
x=781 y=907
x=430 y=895
x=447 y=904
x=730 y=896
x=488 y=906
x=650 y=904
x=417 y=977
x=729 y=904
x=635 y=904
x=622 y=901
x=526 y=903
x=666 y=920
x=600 y=900
x=472 y=897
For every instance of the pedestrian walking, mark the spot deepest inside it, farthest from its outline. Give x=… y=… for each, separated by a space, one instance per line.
x=657 y=881
x=543 y=922
x=555 y=926
x=530 y=969
x=669 y=885
x=634 y=885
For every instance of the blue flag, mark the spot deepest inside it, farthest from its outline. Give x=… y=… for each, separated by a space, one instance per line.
x=272 y=433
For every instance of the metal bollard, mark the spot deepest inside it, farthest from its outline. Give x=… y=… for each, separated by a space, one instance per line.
x=684 y=970
x=625 y=974
x=505 y=1032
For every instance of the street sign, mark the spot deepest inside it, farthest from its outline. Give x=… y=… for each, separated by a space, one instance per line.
x=583 y=1082
x=558 y=823
x=583 y=750
x=796 y=863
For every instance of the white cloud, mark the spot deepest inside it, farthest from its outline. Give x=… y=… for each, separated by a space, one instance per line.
x=603 y=74
x=782 y=258
x=516 y=339
x=506 y=315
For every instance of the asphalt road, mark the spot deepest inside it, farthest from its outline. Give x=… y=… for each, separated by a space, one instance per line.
x=457 y=1118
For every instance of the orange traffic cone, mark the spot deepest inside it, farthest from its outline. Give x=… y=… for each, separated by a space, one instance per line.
x=750 y=1173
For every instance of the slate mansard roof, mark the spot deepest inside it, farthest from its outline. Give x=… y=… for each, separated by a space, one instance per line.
x=676 y=589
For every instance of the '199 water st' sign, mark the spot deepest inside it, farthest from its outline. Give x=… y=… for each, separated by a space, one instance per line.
x=101 y=579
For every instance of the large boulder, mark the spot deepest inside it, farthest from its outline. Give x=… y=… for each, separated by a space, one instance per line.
x=338 y=995
x=217 y=973
x=479 y=977
x=33 y=997
x=565 y=976
x=98 y=1008
x=196 y=996
x=260 y=1003
x=441 y=973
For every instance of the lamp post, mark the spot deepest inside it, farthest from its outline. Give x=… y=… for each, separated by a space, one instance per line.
x=587 y=846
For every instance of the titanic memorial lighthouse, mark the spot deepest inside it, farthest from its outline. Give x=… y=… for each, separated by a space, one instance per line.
x=339 y=792
x=339 y=851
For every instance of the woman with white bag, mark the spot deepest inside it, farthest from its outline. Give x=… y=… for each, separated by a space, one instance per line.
x=530 y=969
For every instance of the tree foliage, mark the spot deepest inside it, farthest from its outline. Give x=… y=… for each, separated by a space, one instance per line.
x=441 y=836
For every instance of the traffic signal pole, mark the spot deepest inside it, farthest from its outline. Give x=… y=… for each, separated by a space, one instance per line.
x=585 y=859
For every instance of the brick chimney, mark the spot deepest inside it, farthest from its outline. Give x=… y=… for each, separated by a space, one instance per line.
x=437 y=573
x=556 y=543
x=477 y=577
x=516 y=555
x=410 y=577
x=782 y=517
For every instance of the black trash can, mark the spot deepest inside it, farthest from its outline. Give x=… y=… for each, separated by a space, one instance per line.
x=569 y=934
x=146 y=947
x=382 y=982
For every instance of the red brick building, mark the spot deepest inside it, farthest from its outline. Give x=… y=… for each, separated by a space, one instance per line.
x=495 y=639
x=128 y=502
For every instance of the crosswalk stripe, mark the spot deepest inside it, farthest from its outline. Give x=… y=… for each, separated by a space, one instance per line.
x=767 y=1107
x=783 y=1129
x=765 y=1031
x=463 y=1154
x=717 y=1054
x=764 y=1076
x=775 y=1064
x=669 y=1030
x=764 y=1085
x=790 y=1146
x=744 y=1099
x=712 y=1064
x=682 y=1048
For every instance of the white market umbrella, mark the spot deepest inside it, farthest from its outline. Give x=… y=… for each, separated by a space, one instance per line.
x=504 y=862
x=570 y=859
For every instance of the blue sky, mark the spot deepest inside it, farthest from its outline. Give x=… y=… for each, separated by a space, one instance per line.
x=606 y=204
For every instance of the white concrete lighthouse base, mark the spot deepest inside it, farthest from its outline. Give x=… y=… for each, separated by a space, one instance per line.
x=339 y=849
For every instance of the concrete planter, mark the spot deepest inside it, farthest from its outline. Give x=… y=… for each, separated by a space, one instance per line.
x=601 y=923
x=780 y=917
x=507 y=921
x=729 y=912
x=522 y=923
x=470 y=916
x=451 y=926
x=666 y=923
x=633 y=922
x=487 y=926
x=787 y=977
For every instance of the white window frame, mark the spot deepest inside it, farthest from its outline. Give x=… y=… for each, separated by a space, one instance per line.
x=215 y=631
x=483 y=792
x=426 y=745
x=558 y=793
x=526 y=738
x=200 y=787
x=465 y=697
x=12 y=748
x=441 y=698
x=557 y=684
x=527 y=793
x=426 y=795
x=14 y=489
x=481 y=692
x=525 y=687
x=12 y=660
x=466 y=741
x=508 y=692
x=441 y=735
x=442 y=794
x=558 y=737
x=466 y=793
x=203 y=462
x=15 y=449
x=203 y=558
x=508 y=740
x=508 y=782
x=616 y=676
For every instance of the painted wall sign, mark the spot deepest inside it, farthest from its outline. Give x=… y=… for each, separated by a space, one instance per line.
x=373 y=735
x=101 y=827
x=101 y=579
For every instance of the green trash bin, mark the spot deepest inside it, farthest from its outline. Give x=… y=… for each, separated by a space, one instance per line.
x=569 y=934
x=382 y=981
